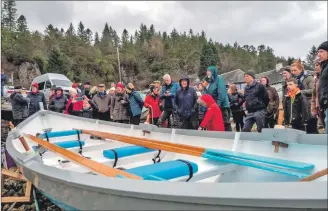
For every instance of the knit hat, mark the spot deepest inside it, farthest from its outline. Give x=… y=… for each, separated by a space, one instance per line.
x=120 y=85
x=74 y=85
x=250 y=73
x=323 y=46
x=36 y=85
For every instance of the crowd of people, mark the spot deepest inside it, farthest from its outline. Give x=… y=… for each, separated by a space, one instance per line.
x=207 y=106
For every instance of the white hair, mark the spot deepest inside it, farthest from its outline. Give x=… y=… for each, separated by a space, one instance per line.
x=166 y=76
x=73 y=91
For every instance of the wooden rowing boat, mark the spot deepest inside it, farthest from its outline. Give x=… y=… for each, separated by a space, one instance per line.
x=86 y=164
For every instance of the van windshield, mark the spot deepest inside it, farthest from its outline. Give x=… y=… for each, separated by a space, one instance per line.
x=61 y=83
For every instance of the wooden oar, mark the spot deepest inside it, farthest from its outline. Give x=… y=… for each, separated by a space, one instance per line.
x=90 y=164
x=22 y=139
x=200 y=151
x=315 y=176
x=171 y=147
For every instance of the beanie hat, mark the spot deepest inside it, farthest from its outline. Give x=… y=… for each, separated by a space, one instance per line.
x=74 y=85
x=120 y=85
x=18 y=87
x=323 y=46
x=36 y=85
x=250 y=73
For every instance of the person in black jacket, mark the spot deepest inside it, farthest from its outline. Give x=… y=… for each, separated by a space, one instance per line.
x=58 y=101
x=236 y=100
x=35 y=98
x=257 y=100
x=297 y=111
x=19 y=105
x=323 y=82
x=186 y=106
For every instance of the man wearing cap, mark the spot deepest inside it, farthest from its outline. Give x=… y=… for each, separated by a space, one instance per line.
x=257 y=100
x=102 y=100
x=86 y=90
x=36 y=98
x=19 y=105
x=323 y=82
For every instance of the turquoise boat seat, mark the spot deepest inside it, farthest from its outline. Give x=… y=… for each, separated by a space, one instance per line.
x=125 y=151
x=166 y=170
x=66 y=144
x=55 y=134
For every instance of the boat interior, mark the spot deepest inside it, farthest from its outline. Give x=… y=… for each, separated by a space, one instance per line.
x=226 y=159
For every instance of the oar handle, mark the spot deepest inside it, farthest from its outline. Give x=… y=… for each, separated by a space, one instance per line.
x=315 y=175
x=22 y=139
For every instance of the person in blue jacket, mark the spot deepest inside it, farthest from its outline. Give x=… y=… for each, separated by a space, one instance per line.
x=167 y=94
x=217 y=89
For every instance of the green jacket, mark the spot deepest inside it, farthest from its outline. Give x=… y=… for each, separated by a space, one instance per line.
x=217 y=88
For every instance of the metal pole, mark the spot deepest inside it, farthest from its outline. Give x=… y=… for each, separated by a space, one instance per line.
x=119 y=64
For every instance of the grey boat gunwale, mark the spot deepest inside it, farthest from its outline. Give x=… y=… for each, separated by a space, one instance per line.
x=234 y=194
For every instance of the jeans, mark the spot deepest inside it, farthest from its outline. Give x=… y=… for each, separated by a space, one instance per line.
x=257 y=117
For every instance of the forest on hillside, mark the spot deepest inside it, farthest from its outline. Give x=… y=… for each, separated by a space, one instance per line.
x=145 y=54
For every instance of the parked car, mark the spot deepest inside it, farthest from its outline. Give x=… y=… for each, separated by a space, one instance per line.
x=46 y=81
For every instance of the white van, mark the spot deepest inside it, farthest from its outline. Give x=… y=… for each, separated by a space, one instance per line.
x=46 y=81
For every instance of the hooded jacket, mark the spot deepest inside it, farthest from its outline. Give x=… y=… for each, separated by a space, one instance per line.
x=217 y=88
x=306 y=82
x=323 y=85
x=173 y=88
x=58 y=104
x=213 y=119
x=273 y=105
x=152 y=102
x=256 y=97
x=186 y=100
x=35 y=99
x=19 y=105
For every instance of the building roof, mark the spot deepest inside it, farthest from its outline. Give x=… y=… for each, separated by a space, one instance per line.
x=237 y=76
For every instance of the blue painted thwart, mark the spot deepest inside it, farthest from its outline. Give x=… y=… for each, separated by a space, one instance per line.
x=61 y=133
x=126 y=151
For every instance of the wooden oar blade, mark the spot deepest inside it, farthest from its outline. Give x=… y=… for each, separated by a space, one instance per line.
x=90 y=164
x=159 y=145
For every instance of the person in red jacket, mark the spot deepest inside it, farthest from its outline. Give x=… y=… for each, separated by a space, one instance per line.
x=213 y=120
x=152 y=102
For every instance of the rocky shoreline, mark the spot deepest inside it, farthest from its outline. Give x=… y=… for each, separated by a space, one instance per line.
x=17 y=188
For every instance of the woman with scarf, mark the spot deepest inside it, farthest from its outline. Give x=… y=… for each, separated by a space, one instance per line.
x=305 y=83
x=120 y=105
x=296 y=106
x=35 y=98
x=58 y=101
x=103 y=101
x=152 y=103
x=136 y=104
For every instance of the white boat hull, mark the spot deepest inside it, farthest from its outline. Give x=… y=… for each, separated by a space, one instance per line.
x=230 y=187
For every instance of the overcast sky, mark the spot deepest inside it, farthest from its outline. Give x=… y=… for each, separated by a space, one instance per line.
x=290 y=28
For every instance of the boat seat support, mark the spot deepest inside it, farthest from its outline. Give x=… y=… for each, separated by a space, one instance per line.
x=157 y=159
